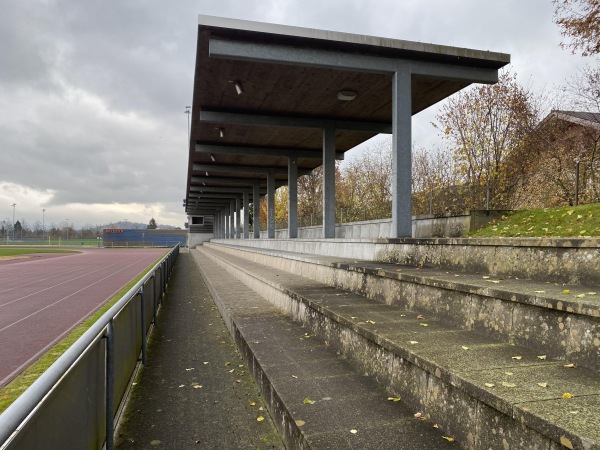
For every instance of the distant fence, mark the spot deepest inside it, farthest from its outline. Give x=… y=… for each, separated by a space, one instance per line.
x=72 y=405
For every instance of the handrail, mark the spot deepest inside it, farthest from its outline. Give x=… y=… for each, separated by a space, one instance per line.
x=16 y=415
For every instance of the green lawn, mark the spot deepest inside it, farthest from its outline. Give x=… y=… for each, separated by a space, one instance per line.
x=28 y=251
x=574 y=221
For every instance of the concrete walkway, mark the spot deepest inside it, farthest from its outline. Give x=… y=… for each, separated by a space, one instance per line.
x=195 y=392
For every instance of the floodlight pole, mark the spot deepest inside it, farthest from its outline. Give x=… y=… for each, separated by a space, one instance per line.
x=43 y=224
x=188 y=112
x=13 y=222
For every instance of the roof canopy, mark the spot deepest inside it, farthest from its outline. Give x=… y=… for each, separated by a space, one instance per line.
x=265 y=92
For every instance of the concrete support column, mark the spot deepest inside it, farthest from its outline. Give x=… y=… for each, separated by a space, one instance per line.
x=329 y=182
x=246 y=205
x=271 y=205
x=256 y=207
x=401 y=154
x=231 y=219
x=292 y=197
x=226 y=218
x=238 y=213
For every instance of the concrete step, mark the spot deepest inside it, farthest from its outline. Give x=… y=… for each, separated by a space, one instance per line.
x=534 y=314
x=484 y=393
x=558 y=260
x=315 y=397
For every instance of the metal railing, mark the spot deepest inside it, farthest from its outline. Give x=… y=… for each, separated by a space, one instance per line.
x=73 y=404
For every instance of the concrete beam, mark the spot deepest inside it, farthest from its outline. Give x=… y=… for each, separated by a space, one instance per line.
x=295 y=56
x=245 y=169
x=221 y=117
x=261 y=151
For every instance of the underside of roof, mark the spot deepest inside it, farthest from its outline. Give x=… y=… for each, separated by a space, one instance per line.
x=264 y=93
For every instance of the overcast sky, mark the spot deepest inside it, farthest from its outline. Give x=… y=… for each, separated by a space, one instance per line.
x=92 y=94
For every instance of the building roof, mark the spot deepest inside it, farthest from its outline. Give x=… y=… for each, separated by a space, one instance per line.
x=263 y=92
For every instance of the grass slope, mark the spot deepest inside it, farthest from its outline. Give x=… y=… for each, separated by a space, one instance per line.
x=574 y=221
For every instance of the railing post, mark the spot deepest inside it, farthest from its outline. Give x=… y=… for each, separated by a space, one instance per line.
x=143 y=321
x=110 y=384
x=154 y=302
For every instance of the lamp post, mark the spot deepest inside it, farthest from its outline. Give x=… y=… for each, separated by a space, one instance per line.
x=43 y=224
x=67 y=230
x=188 y=112
x=13 y=222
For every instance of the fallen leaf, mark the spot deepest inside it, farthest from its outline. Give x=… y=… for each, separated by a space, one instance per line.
x=541 y=357
x=182 y=385
x=570 y=366
x=486 y=277
x=591 y=293
x=517 y=357
x=566 y=442
x=539 y=292
x=260 y=418
x=508 y=373
x=419 y=416
x=294 y=376
x=326 y=399
x=191 y=368
x=252 y=403
x=566 y=291
x=423 y=324
x=435 y=425
x=197 y=386
x=493 y=281
x=227 y=363
x=300 y=422
x=580 y=296
x=420 y=317
x=308 y=401
x=205 y=362
x=394 y=399
x=507 y=384
x=544 y=385
x=232 y=370
x=414 y=342
x=352 y=317
x=490 y=385
x=238 y=381
x=567 y=395
x=448 y=438
x=370 y=321
x=464 y=347
x=353 y=431
x=260 y=408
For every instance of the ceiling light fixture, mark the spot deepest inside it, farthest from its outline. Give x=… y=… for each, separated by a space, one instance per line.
x=346 y=96
x=212 y=157
x=238 y=87
x=221 y=132
x=206 y=173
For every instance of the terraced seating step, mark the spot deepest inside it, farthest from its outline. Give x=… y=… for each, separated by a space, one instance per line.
x=561 y=320
x=485 y=393
x=314 y=395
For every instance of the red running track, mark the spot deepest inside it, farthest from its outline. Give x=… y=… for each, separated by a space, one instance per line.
x=42 y=298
